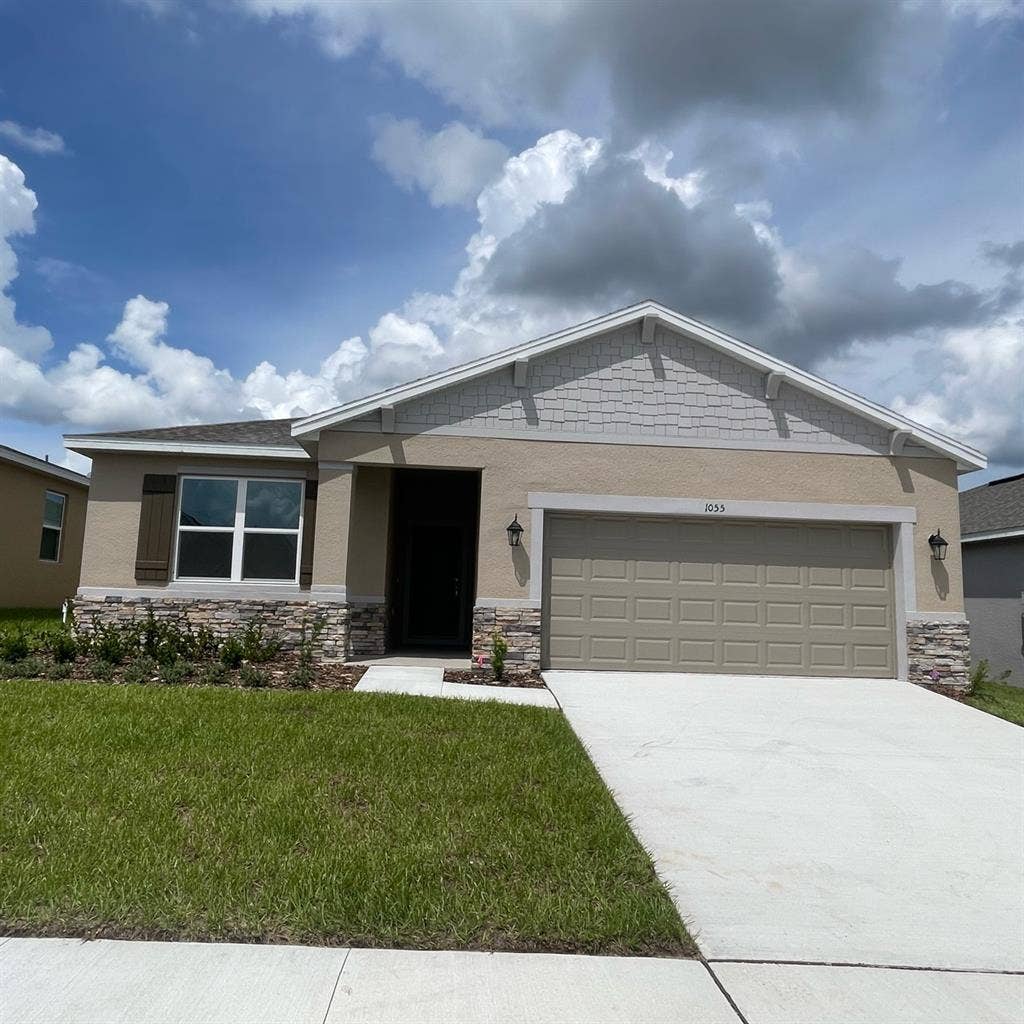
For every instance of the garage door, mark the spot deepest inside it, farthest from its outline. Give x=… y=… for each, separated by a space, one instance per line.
x=774 y=598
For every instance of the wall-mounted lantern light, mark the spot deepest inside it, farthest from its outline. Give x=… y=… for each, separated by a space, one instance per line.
x=938 y=544
x=514 y=531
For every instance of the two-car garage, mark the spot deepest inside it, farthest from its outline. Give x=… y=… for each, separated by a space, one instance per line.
x=766 y=597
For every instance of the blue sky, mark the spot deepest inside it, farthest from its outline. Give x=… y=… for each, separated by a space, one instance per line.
x=355 y=194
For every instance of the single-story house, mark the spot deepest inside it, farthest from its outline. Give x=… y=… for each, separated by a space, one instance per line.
x=992 y=535
x=42 y=523
x=686 y=501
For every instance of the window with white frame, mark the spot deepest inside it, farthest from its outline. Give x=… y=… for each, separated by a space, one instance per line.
x=239 y=529
x=53 y=526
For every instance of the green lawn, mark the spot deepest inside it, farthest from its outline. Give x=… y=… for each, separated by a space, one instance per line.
x=31 y=618
x=998 y=699
x=310 y=817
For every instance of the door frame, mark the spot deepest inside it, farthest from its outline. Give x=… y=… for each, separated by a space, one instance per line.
x=901 y=519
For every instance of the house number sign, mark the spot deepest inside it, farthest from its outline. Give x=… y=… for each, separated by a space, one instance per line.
x=714 y=506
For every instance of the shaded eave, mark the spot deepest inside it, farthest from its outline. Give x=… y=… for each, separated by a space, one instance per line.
x=967 y=458
x=87 y=444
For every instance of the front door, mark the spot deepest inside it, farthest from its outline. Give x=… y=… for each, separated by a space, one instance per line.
x=435 y=585
x=434 y=527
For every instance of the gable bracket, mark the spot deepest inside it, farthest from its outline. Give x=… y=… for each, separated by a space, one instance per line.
x=519 y=368
x=771 y=385
x=647 y=330
x=897 y=439
x=387 y=419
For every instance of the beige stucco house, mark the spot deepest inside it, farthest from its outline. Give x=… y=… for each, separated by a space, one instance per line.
x=687 y=502
x=42 y=523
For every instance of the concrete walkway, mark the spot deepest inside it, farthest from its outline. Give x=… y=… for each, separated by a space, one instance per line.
x=103 y=982
x=47 y=980
x=818 y=820
x=428 y=681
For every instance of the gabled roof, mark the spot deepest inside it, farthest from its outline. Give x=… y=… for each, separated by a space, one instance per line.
x=650 y=312
x=995 y=508
x=44 y=466
x=263 y=438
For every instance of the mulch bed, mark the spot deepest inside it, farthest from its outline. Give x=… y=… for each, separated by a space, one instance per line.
x=485 y=677
x=276 y=674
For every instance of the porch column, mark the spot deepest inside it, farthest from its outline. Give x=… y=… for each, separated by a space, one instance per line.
x=333 y=518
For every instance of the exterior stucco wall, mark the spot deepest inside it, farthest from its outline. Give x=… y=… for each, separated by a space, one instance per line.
x=368 y=539
x=115 y=500
x=511 y=469
x=615 y=385
x=26 y=581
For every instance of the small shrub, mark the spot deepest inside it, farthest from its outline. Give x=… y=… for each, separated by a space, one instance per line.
x=980 y=676
x=256 y=645
x=14 y=645
x=175 y=673
x=141 y=670
x=63 y=646
x=204 y=643
x=112 y=643
x=213 y=674
x=232 y=653
x=25 y=668
x=499 y=648
x=305 y=672
x=102 y=670
x=254 y=677
x=62 y=670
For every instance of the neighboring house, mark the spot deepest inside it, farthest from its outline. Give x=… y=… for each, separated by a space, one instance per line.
x=687 y=502
x=42 y=522
x=992 y=535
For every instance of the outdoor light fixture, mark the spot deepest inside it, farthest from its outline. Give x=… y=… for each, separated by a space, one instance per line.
x=514 y=531
x=938 y=544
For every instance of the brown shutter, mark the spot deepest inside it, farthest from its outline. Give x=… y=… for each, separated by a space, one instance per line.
x=308 y=535
x=156 y=528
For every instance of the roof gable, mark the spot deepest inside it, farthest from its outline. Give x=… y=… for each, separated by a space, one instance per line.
x=644 y=375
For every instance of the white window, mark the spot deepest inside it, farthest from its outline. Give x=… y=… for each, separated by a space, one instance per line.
x=239 y=529
x=53 y=526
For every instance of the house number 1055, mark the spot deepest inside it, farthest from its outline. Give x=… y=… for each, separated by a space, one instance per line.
x=714 y=506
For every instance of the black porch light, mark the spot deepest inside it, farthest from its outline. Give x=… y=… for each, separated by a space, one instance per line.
x=514 y=531
x=938 y=544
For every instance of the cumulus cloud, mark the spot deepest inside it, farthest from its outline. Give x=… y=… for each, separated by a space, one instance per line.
x=35 y=140
x=653 y=64
x=17 y=217
x=451 y=166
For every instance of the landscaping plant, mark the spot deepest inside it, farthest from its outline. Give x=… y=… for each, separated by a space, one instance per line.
x=499 y=648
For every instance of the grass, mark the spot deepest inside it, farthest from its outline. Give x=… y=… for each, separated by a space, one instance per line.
x=31 y=618
x=998 y=699
x=316 y=818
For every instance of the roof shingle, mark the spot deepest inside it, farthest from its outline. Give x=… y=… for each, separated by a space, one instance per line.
x=997 y=505
x=254 y=432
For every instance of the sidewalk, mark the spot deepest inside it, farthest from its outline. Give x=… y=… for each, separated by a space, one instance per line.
x=103 y=982
x=106 y=982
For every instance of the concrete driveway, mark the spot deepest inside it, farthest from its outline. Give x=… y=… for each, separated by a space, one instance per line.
x=819 y=821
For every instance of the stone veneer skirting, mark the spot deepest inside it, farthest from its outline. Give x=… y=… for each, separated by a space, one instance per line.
x=367 y=629
x=225 y=617
x=943 y=648
x=519 y=626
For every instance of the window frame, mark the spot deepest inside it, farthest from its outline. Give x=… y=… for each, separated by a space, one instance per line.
x=44 y=526
x=238 y=530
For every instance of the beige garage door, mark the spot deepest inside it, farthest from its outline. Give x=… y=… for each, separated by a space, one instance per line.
x=775 y=598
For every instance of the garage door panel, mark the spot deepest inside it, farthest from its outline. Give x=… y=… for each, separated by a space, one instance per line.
x=718 y=595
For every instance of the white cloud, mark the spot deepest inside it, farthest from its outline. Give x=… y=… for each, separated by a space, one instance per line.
x=35 y=140
x=17 y=217
x=451 y=166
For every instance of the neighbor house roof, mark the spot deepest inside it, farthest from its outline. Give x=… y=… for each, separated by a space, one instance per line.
x=651 y=313
x=265 y=438
x=994 y=510
x=44 y=466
